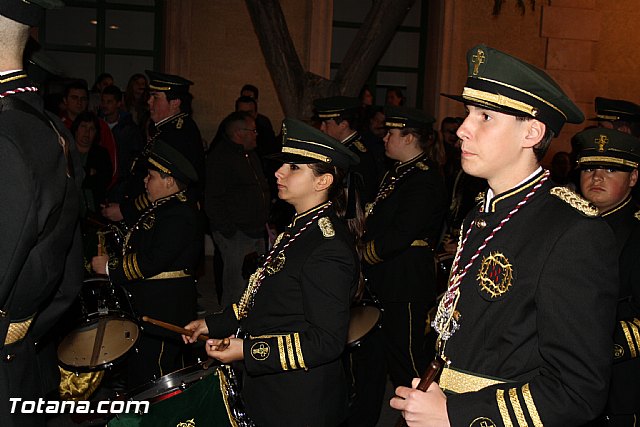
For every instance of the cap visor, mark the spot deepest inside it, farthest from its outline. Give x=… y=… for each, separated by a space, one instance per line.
x=291 y=158
x=488 y=105
x=605 y=165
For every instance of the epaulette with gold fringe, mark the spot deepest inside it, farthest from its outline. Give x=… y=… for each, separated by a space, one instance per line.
x=575 y=200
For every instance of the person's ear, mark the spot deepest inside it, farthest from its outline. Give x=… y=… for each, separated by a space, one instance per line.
x=534 y=132
x=323 y=182
x=633 y=179
x=169 y=182
x=409 y=139
x=175 y=103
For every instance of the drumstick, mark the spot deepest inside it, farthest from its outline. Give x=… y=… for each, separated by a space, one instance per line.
x=425 y=381
x=173 y=328
x=224 y=344
x=101 y=243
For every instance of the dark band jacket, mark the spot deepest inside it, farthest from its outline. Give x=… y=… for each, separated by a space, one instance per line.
x=536 y=311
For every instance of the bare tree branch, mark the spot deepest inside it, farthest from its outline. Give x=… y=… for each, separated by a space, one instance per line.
x=279 y=52
x=370 y=43
x=296 y=87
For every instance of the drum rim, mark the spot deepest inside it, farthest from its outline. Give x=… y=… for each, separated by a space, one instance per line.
x=165 y=380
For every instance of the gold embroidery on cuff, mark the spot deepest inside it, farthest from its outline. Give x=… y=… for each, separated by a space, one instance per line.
x=136 y=266
x=296 y=340
x=636 y=333
x=125 y=267
x=531 y=406
x=502 y=406
x=517 y=407
x=283 y=357
x=292 y=358
x=627 y=335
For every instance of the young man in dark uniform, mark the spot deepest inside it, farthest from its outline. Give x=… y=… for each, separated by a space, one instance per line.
x=170 y=108
x=40 y=251
x=608 y=160
x=339 y=118
x=158 y=262
x=525 y=325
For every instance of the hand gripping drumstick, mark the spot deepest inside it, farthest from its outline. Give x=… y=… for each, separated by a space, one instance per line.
x=222 y=346
x=425 y=381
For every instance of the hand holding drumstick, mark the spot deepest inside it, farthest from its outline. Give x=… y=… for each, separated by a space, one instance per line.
x=221 y=345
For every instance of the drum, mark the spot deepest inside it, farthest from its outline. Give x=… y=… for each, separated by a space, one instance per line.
x=199 y=395
x=365 y=318
x=106 y=328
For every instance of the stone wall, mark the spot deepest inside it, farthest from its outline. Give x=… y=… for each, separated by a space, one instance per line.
x=213 y=43
x=589 y=46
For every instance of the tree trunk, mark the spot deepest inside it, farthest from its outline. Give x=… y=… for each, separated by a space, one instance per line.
x=298 y=88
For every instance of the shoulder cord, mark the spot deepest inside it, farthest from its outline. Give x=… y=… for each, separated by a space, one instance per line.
x=445 y=322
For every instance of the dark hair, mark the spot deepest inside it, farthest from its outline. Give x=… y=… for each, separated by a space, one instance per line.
x=230 y=122
x=76 y=84
x=338 y=196
x=540 y=149
x=364 y=89
x=451 y=120
x=129 y=98
x=181 y=185
x=99 y=79
x=398 y=91
x=425 y=135
x=86 y=116
x=246 y=99
x=251 y=88
x=352 y=115
x=185 y=100
x=113 y=90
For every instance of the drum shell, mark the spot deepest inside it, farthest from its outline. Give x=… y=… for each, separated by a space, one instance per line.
x=365 y=318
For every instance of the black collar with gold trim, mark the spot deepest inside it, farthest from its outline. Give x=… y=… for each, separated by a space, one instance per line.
x=348 y=141
x=172 y=119
x=618 y=207
x=298 y=218
x=510 y=198
x=14 y=80
x=402 y=166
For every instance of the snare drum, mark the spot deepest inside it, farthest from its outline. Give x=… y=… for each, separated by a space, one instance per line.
x=193 y=396
x=365 y=318
x=105 y=330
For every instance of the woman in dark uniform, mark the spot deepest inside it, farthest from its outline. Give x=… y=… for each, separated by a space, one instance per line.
x=294 y=315
x=403 y=224
x=158 y=262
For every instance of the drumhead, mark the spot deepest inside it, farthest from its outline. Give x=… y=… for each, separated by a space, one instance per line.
x=99 y=344
x=363 y=319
